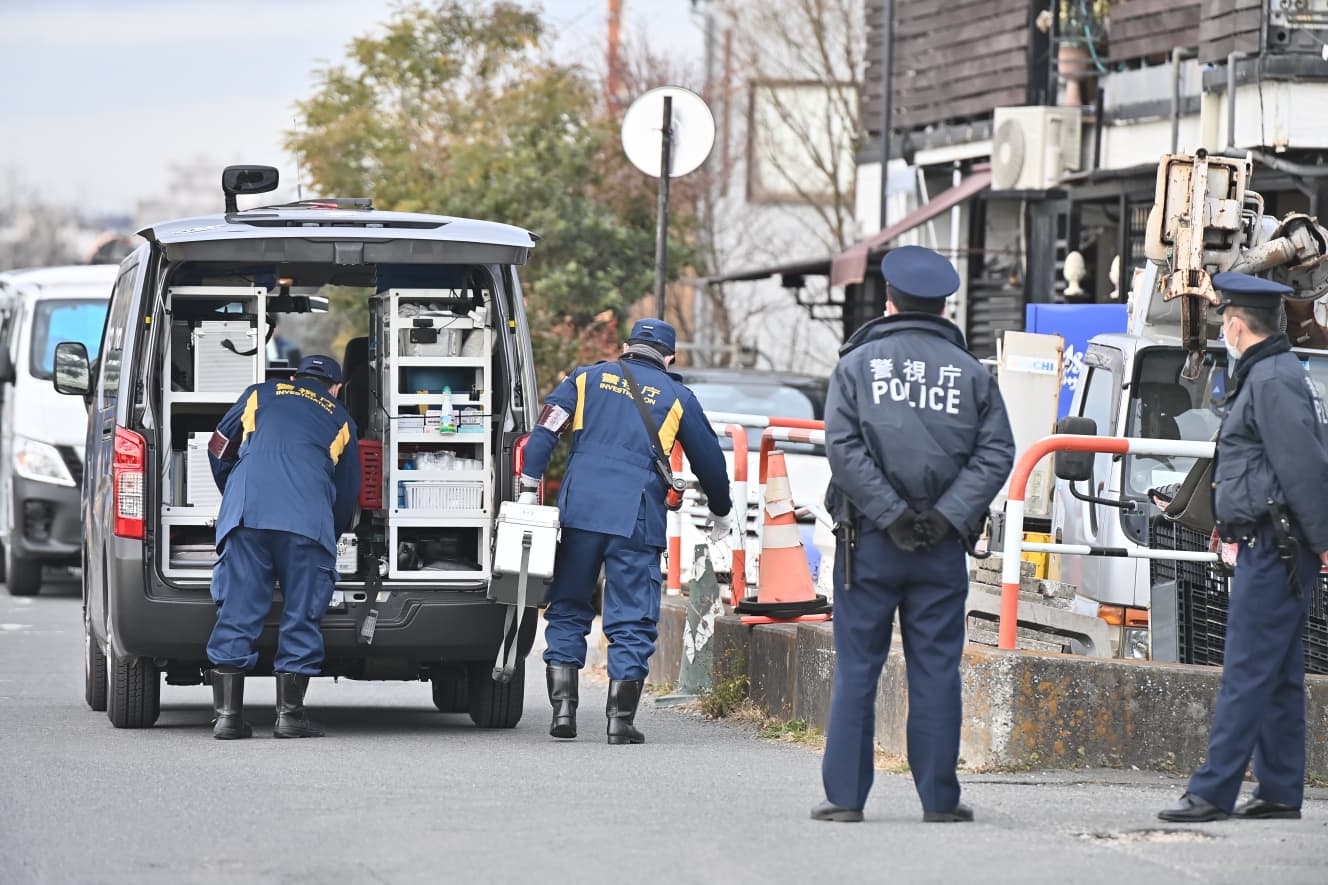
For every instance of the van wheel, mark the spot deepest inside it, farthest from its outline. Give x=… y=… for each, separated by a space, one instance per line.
x=495 y=704
x=133 y=699
x=94 y=668
x=450 y=694
x=23 y=576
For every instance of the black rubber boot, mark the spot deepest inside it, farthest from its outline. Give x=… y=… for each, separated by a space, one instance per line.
x=291 y=721
x=624 y=696
x=563 y=696
x=228 y=705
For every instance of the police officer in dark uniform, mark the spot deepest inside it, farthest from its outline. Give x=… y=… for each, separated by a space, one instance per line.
x=612 y=511
x=287 y=463
x=1272 y=457
x=919 y=445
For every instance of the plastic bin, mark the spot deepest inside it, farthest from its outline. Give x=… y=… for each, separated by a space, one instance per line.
x=442 y=495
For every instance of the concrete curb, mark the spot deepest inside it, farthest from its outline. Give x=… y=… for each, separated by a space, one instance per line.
x=1021 y=709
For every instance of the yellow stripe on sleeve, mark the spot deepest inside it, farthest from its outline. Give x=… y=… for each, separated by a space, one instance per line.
x=578 y=421
x=339 y=444
x=668 y=431
x=249 y=420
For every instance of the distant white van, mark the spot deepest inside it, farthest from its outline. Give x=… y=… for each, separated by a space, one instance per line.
x=42 y=434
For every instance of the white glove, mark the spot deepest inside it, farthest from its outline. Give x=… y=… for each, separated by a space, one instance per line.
x=527 y=498
x=720 y=526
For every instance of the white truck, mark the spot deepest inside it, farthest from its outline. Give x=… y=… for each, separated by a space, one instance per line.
x=1160 y=379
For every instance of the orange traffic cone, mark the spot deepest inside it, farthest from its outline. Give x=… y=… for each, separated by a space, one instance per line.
x=785 y=591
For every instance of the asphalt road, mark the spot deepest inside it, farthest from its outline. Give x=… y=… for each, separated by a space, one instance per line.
x=399 y=793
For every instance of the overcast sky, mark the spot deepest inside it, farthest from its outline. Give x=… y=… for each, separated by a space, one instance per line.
x=98 y=98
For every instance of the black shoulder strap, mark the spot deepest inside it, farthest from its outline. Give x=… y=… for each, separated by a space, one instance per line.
x=661 y=459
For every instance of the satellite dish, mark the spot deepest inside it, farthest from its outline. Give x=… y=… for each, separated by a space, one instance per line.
x=693 y=131
x=1007 y=156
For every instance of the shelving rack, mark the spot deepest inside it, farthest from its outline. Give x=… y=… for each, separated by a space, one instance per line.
x=430 y=346
x=205 y=377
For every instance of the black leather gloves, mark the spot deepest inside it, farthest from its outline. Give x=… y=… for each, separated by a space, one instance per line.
x=903 y=531
x=919 y=531
x=931 y=529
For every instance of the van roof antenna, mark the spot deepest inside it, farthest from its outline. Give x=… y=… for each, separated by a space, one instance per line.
x=299 y=181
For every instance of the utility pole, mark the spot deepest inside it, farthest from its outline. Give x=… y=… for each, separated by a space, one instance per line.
x=887 y=88
x=613 y=82
x=702 y=321
x=662 y=222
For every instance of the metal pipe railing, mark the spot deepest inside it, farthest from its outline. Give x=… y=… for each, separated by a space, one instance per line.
x=1014 y=512
x=738 y=530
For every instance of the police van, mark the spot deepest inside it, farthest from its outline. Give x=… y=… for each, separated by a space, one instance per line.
x=439 y=377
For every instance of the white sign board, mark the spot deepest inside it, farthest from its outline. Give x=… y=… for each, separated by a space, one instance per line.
x=1029 y=376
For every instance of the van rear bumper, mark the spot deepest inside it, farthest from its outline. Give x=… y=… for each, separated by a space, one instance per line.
x=417 y=625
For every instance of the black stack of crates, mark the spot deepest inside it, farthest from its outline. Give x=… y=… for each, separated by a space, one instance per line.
x=1203 y=596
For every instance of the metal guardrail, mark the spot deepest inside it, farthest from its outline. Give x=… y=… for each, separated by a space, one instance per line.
x=735 y=424
x=1014 y=512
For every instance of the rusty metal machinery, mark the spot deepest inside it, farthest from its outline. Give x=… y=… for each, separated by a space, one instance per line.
x=1205 y=220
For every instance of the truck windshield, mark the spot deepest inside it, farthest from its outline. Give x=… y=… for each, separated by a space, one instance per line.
x=1165 y=406
x=65 y=320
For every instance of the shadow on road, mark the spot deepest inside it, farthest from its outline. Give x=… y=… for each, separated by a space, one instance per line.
x=59 y=585
x=340 y=721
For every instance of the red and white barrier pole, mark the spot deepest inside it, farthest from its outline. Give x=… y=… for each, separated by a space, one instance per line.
x=673 y=586
x=1014 y=511
x=773 y=434
x=738 y=530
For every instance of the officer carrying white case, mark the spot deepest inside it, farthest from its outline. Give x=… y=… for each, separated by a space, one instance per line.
x=523 y=551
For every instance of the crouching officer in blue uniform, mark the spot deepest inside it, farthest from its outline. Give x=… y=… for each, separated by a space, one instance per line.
x=919 y=445
x=286 y=461
x=612 y=511
x=1272 y=458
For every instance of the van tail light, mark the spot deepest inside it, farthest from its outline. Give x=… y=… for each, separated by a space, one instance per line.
x=127 y=473
x=519 y=463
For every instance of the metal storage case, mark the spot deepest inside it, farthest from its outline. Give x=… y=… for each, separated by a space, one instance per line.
x=225 y=355
x=200 y=488
x=515 y=523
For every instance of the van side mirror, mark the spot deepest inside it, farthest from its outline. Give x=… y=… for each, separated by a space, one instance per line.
x=6 y=367
x=73 y=374
x=1075 y=466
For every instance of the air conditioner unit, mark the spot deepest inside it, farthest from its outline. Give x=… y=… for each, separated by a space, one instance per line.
x=1032 y=147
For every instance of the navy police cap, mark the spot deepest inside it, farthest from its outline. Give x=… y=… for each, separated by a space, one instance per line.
x=320 y=367
x=1244 y=290
x=919 y=273
x=654 y=332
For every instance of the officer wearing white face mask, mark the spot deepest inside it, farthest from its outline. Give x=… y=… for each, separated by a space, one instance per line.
x=1269 y=482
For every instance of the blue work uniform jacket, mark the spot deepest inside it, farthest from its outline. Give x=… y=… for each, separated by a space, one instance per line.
x=1272 y=446
x=914 y=421
x=611 y=469
x=285 y=458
